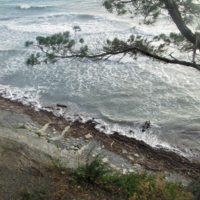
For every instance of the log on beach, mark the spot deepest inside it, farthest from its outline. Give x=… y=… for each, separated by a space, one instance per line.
x=146 y=126
x=61 y=105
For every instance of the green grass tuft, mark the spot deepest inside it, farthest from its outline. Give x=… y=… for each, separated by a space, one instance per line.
x=42 y=193
x=20 y=127
x=27 y=195
x=38 y=133
x=92 y=172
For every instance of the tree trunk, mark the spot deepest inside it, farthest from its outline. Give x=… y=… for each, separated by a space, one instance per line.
x=172 y=8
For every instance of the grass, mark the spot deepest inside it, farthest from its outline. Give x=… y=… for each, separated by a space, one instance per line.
x=93 y=171
x=42 y=193
x=144 y=187
x=97 y=180
x=26 y=194
x=134 y=186
x=38 y=133
x=20 y=127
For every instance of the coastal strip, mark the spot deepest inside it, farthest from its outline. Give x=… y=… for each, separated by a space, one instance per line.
x=135 y=152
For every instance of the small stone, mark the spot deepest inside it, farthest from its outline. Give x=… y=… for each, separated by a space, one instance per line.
x=99 y=148
x=78 y=139
x=118 y=169
x=88 y=136
x=113 y=166
x=79 y=145
x=130 y=157
x=132 y=171
x=93 y=155
x=105 y=160
x=124 y=151
x=27 y=127
x=54 y=132
x=136 y=155
x=124 y=171
x=102 y=147
x=72 y=147
x=54 y=129
x=137 y=166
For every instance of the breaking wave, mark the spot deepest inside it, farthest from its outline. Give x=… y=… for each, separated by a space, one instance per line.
x=26 y=6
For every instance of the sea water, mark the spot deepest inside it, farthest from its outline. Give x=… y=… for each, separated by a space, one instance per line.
x=119 y=94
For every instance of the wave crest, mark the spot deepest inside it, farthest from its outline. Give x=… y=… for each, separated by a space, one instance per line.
x=26 y=6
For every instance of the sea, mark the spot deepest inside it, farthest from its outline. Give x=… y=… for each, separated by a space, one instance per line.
x=119 y=94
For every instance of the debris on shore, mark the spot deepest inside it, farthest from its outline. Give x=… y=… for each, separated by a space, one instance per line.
x=146 y=126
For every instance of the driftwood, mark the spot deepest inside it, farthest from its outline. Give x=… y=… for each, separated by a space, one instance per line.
x=61 y=105
x=146 y=126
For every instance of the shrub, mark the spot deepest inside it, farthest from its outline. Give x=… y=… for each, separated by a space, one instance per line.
x=93 y=171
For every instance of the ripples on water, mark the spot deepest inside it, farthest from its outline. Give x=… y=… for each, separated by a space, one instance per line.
x=122 y=95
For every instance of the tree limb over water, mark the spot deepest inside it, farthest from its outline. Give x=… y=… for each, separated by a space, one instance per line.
x=182 y=13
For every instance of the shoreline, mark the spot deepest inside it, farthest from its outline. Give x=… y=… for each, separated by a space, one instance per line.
x=130 y=149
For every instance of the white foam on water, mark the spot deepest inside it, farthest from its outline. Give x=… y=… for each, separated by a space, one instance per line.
x=28 y=6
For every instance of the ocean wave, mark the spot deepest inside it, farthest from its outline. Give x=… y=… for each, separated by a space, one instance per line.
x=26 y=6
x=5 y=19
x=76 y=16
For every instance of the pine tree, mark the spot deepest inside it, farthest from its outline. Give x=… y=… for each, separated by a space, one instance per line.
x=183 y=13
